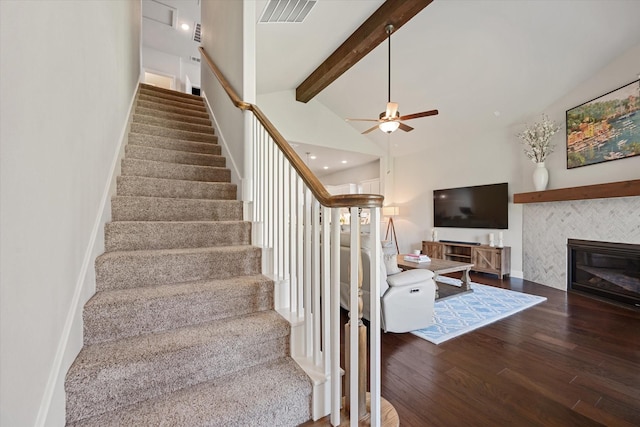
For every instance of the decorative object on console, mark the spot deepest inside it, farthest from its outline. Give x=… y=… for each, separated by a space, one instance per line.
x=500 y=240
x=391 y=211
x=605 y=128
x=434 y=235
x=540 y=177
x=417 y=258
x=537 y=141
x=491 y=241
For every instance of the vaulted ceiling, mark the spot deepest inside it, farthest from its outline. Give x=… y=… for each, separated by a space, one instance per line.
x=484 y=64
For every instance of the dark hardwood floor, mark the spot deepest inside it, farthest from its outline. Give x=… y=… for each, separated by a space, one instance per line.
x=569 y=361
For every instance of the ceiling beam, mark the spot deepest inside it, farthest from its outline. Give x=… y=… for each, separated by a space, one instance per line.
x=369 y=35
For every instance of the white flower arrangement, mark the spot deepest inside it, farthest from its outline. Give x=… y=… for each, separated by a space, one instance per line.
x=536 y=139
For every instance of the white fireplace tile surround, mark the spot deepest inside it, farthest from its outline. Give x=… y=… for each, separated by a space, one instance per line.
x=547 y=227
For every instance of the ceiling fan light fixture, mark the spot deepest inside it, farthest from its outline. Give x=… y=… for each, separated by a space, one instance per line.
x=389 y=126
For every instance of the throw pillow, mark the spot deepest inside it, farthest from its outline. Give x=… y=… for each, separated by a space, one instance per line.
x=389 y=255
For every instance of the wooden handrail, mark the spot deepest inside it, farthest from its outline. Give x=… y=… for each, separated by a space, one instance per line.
x=319 y=191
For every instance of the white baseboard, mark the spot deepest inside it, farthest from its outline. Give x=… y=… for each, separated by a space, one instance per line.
x=517 y=273
x=71 y=340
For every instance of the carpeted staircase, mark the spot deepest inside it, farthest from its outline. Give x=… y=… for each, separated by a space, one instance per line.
x=181 y=330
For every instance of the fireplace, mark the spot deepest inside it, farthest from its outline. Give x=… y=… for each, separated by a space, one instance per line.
x=609 y=271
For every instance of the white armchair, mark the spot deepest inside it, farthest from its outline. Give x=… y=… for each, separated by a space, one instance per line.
x=407 y=297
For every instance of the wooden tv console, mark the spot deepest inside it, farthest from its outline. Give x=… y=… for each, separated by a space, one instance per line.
x=486 y=259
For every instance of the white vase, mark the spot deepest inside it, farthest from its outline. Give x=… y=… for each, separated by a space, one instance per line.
x=540 y=177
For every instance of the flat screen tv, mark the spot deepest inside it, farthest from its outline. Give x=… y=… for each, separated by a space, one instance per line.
x=481 y=206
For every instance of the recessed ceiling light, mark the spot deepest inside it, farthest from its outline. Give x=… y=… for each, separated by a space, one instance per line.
x=344 y=162
x=496 y=113
x=312 y=157
x=185 y=27
x=325 y=167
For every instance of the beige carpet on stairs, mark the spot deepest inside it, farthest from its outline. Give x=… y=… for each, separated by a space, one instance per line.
x=181 y=330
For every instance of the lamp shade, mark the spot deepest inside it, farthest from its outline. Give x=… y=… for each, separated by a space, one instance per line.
x=390 y=210
x=388 y=127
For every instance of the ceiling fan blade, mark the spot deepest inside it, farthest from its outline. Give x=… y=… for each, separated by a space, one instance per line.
x=370 y=130
x=405 y=128
x=418 y=115
x=361 y=120
x=392 y=109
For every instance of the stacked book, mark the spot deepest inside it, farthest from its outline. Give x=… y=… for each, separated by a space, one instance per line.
x=417 y=258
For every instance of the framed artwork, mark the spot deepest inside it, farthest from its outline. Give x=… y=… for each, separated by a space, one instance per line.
x=605 y=128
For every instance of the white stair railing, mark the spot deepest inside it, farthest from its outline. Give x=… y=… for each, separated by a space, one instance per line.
x=294 y=218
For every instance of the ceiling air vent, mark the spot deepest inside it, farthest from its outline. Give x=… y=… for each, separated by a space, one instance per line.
x=286 y=11
x=197 y=28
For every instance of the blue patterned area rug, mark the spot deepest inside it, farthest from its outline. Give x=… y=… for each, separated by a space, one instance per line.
x=460 y=314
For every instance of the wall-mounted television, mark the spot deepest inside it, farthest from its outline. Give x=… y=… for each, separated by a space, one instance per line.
x=480 y=206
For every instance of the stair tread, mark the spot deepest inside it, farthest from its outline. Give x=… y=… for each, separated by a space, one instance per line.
x=275 y=393
x=159 y=106
x=148 y=129
x=176 y=117
x=173 y=95
x=153 y=267
x=155 y=252
x=184 y=104
x=123 y=313
x=142 y=235
x=174 y=144
x=260 y=326
x=180 y=165
x=240 y=285
x=169 y=91
x=176 y=152
x=154 y=169
x=165 y=122
x=174 y=180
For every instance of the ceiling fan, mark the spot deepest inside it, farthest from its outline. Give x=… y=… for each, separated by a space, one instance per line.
x=390 y=119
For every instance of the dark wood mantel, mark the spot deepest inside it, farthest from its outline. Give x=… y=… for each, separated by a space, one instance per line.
x=586 y=192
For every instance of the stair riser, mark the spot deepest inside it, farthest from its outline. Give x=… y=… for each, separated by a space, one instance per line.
x=171 y=188
x=176 y=104
x=135 y=269
x=172 y=116
x=171 y=124
x=174 y=144
x=165 y=373
x=169 y=97
x=164 y=209
x=150 y=104
x=144 y=235
x=157 y=89
x=129 y=319
x=172 y=133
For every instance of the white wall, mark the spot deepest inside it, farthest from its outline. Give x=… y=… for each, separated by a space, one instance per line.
x=353 y=175
x=65 y=94
x=489 y=159
x=222 y=38
x=619 y=72
x=498 y=157
x=313 y=123
x=164 y=63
